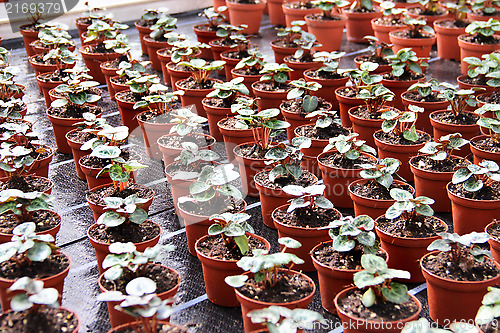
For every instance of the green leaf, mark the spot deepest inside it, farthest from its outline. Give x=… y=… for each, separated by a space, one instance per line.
x=138 y=216
x=236 y=281
x=397 y=293
x=289 y=242
x=215 y=229
x=368 y=298
x=242 y=243
x=39 y=252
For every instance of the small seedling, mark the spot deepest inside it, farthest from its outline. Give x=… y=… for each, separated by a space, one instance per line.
x=349 y=146
x=381 y=172
x=353 y=234
x=232 y=228
x=463 y=250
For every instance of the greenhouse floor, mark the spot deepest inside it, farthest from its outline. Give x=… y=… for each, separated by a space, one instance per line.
x=192 y=307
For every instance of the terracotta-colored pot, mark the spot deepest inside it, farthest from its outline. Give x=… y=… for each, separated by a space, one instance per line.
x=468 y=49
x=421 y=46
x=82 y=26
x=276 y=14
x=466 y=296
x=216 y=270
x=369 y=206
x=364 y=127
x=359 y=25
x=481 y=154
x=233 y=137
x=327 y=86
x=310 y=161
x=470 y=214
x=197 y=226
x=298 y=68
x=93 y=62
x=151 y=132
x=268 y=99
x=98 y=209
x=402 y=152
x=205 y=36
x=117 y=85
x=296 y=119
x=214 y=115
x=381 y=68
x=357 y=325
x=77 y=154
x=297 y=14
x=164 y=60
x=329 y=33
x=381 y=31
x=337 y=181
x=430 y=19
x=169 y=153
x=28 y=37
x=399 y=87
x=41 y=167
x=108 y=74
x=447 y=43
x=102 y=249
x=143 y=32
x=218 y=49
x=246 y=13
x=405 y=252
x=494 y=243
x=194 y=96
x=153 y=47
x=308 y=237
x=432 y=184
x=5 y=238
x=464 y=85
x=249 y=304
x=332 y=280
x=478 y=17
x=230 y=64
x=76 y=329
x=423 y=123
x=43 y=68
x=138 y=325
x=117 y=318
x=127 y=111
x=248 y=80
x=281 y=52
x=270 y=199
x=346 y=103
x=46 y=86
x=54 y=281
x=249 y=167
x=176 y=74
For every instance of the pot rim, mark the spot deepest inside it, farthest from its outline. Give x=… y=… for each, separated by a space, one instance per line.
x=409 y=238
x=400 y=182
x=95 y=225
x=282 y=207
x=430 y=39
x=177 y=85
x=45 y=231
x=208 y=216
x=471 y=126
x=281 y=189
x=468 y=200
x=107 y=185
x=394 y=145
x=248 y=158
x=431 y=171
x=406 y=99
x=175 y=134
x=334 y=151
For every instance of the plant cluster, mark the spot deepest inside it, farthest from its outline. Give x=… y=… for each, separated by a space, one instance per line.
x=380 y=172
x=201 y=69
x=302 y=91
x=286 y=159
x=24 y=204
x=308 y=199
x=442 y=150
x=123 y=212
x=275 y=73
x=485 y=70
x=405 y=63
x=462 y=249
x=353 y=234
x=349 y=146
x=459 y=98
x=292 y=33
x=474 y=177
x=491 y=124
x=408 y=208
x=402 y=123
x=214 y=17
x=232 y=228
x=483 y=31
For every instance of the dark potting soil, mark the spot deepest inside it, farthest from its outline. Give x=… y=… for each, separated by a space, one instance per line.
x=80 y=136
x=28 y=183
x=488 y=192
x=98 y=48
x=247 y=71
x=407 y=76
x=412 y=34
x=45 y=319
x=222 y=42
x=205 y=27
x=230 y=123
x=321 y=74
x=69 y=111
x=122 y=80
x=480 y=80
x=289 y=288
x=453 y=24
x=487 y=144
x=126 y=232
x=31 y=27
x=442 y=265
x=300 y=5
x=306 y=57
x=175 y=141
x=269 y=86
x=282 y=43
x=400 y=140
x=420 y=11
x=97 y=196
x=349 y=92
x=360 y=10
x=38 y=59
x=115 y=64
x=390 y=21
x=44 y=220
x=374 y=190
x=216 y=102
x=211 y=207
x=383 y=312
x=56 y=76
x=426 y=163
x=465 y=118
x=161 y=275
x=306 y=217
x=160 y=328
x=494 y=231
x=415 y=96
x=237 y=54
x=97 y=163
x=310 y=131
x=480 y=39
x=494 y=98
x=326 y=255
x=262 y=178
x=146 y=23
x=321 y=17
x=251 y=150
x=422 y=227
x=362 y=112
x=338 y=160
x=166 y=52
x=178 y=67
x=54 y=264
x=190 y=83
x=373 y=58
x=215 y=248
x=295 y=106
x=154 y=117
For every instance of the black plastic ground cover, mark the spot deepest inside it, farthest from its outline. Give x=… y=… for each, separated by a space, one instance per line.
x=193 y=308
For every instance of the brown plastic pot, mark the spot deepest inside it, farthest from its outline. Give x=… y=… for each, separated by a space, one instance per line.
x=381 y=31
x=249 y=167
x=39 y=48
x=405 y=252
x=5 y=238
x=447 y=43
x=246 y=13
x=28 y=37
x=308 y=237
x=364 y=127
x=248 y=80
x=297 y=119
x=249 y=304
x=332 y=280
x=337 y=181
x=169 y=153
x=494 y=243
x=41 y=167
x=298 y=68
x=47 y=190
x=102 y=249
x=194 y=96
x=143 y=32
x=297 y=14
x=205 y=36
x=399 y=87
x=329 y=33
x=55 y=281
x=151 y=132
x=77 y=154
x=281 y=52
x=359 y=25
x=358 y=325
x=346 y=103
x=46 y=86
x=117 y=318
x=402 y=152
x=93 y=62
x=233 y=137
x=481 y=154
x=108 y=74
x=164 y=60
x=175 y=74
x=310 y=161
x=327 y=86
x=229 y=65
x=270 y=199
x=268 y=99
x=276 y=14
x=468 y=49
x=471 y=215
x=423 y=123
x=214 y=115
x=421 y=46
x=117 y=86
x=82 y=27
x=369 y=206
x=216 y=270
x=218 y=49
x=465 y=296
x=43 y=68
x=153 y=47
x=127 y=111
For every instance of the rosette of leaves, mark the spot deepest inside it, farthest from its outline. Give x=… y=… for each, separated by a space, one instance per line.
x=142 y=85
x=120 y=45
x=279 y=319
x=330 y=6
x=31 y=295
x=325 y=118
x=91 y=123
x=4 y=57
x=408 y=208
x=405 y=63
x=254 y=61
x=401 y=123
x=349 y=146
x=330 y=61
x=201 y=69
x=474 y=177
x=163 y=102
x=55 y=36
x=353 y=234
x=101 y=30
x=153 y=15
x=192 y=156
x=119 y=170
x=265 y=267
x=228 y=91
x=184 y=51
x=491 y=124
x=275 y=73
x=232 y=228
x=214 y=17
x=165 y=24
x=305 y=43
x=8 y=109
x=485 y=70
x=225 y=31
x=75 y=94
x=7 y=85
x=443 y=149
x=483 y=31
x=186 y=121
x=377 y=281
x=394 y=14
x=302 y=90
x=362 y=5
x=291 y=33
x=428 y=7
x=459 y=11
x=425 y=89
x=122 y=212
x=124 y=260
x=485 y=7
x=60 y=56
x=380 y=172
x=462 y=249
x=24 y=204
x=307 y=198
x=107 y=136
x=287 y=159
x=375 y=96
x=459 y=98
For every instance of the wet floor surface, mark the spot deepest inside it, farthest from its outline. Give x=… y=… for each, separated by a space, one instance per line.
x=193 y=308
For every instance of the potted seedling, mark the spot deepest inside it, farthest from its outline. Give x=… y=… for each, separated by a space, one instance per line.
x=158 y=38
x=33 y=255
x=229 y=238
x=494 y=241
x=246 y=12
x=12 y=110
x=304 y=218
x=340 y=167
x=30 y=30
x=249 y=68
x=379 y=50
x=233 y=57
x=8 y=87
x=124 y=264
x=480 y=71
x=266 y=283
x=449 y=270
x=375 y=287
x=52 y=60
x=207 y=32
x=172 y=58
x=146 y=21
x=302 y=59
x=447 y=30
x=419 y=37
x=392 y=19
x=33 y=306
x=297 y=11
x=434 y=170
x=328 y=26
x=285 y=44
x=483 y=10
x=430 y=10
x=474 y=196
x=359 y=16
x=224 y=42
x=281 y=319
x=485 y=146
x=90 y=15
